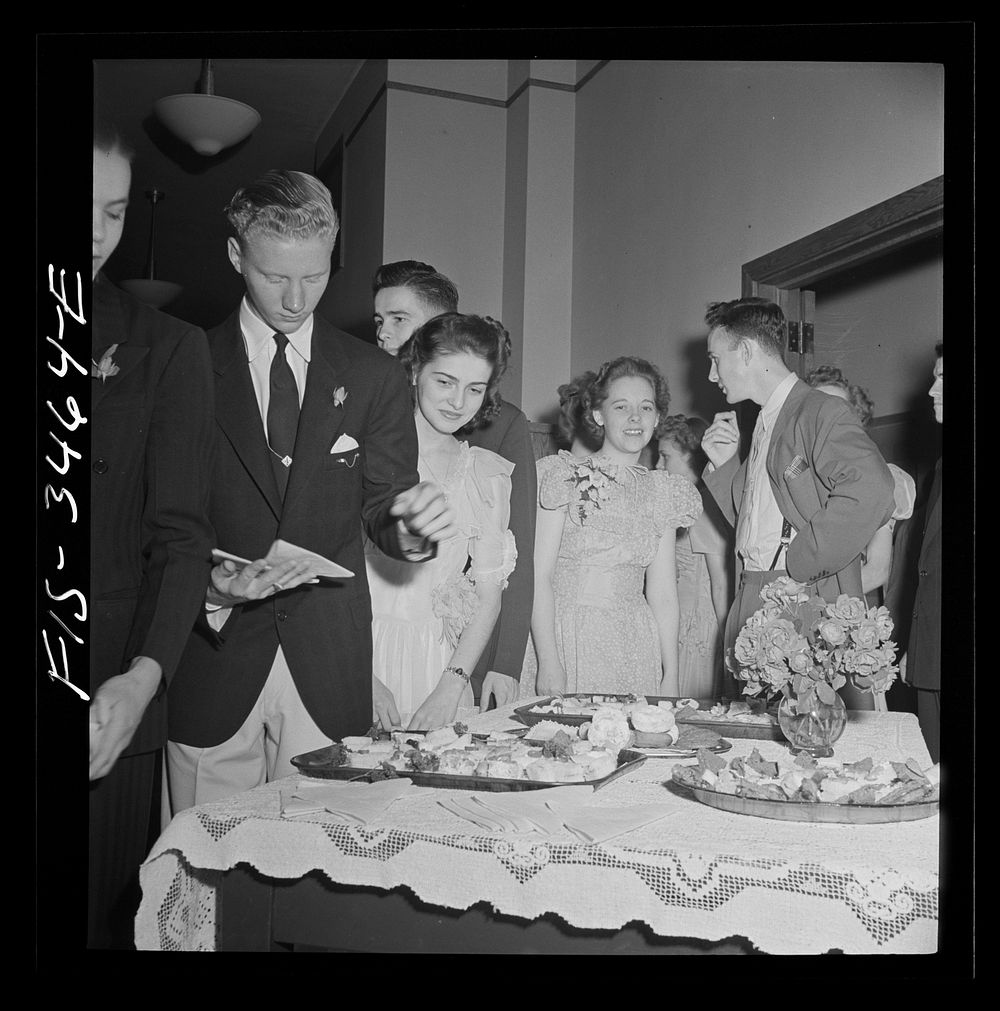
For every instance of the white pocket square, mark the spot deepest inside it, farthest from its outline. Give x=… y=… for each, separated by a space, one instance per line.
x=344 y=444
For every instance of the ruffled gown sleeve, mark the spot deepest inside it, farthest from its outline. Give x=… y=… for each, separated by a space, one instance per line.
x=904 y=493
x=492 y=548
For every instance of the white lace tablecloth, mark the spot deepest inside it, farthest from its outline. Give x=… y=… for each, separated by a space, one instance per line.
x=789 y=887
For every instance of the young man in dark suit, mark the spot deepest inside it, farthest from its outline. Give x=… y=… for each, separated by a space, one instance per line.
x=914 y=594
x=814 y=488
x=151 y=415
x=407 y=293
x=316 y=445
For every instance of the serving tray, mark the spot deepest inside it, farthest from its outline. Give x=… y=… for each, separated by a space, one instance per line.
x=652 y=746
x=820 y=811
x=665 y=751
x=317 y=765
x=725 y=728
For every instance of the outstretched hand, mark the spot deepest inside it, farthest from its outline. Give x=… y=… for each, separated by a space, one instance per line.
x=503 y=688
x=232 y=584
x=551 y=678
x=116 y=711
x=425 y=512
x=722 y=438
x=384 y=710
x=440 y=707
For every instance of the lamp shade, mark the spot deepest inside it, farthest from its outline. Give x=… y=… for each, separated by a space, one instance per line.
x=208 y=123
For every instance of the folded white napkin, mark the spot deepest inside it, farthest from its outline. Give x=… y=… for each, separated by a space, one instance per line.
x=344 y=444
x=506 y=812
x=355 y=803
x=550 y=811
x=593 y=824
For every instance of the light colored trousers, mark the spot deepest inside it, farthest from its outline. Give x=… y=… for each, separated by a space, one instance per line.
x=277 y=729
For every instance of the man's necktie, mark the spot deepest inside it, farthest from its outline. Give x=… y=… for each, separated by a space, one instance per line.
x=749 y=494
x=282 y=414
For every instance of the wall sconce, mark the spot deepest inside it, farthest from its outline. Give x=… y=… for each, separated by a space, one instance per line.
x=148 y=289
x=207 y=121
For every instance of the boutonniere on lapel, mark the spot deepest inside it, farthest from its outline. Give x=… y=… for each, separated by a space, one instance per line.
x=339 y=396
x=106 y=366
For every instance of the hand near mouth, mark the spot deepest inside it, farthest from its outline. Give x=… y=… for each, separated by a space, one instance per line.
x=722 y=438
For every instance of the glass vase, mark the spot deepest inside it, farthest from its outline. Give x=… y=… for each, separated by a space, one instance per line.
x=813 y=729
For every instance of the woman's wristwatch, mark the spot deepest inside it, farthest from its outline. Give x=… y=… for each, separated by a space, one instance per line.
x=458 y=671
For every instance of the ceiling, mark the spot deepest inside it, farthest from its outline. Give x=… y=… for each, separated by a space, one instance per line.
x=295 y=99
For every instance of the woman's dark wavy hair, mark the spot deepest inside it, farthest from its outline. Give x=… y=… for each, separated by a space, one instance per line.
x=857 y=398
x=570 y=423
x=686 y=434
x=596 y=392
x=454 y=333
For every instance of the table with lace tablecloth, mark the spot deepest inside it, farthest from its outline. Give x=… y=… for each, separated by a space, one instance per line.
x=787 y=887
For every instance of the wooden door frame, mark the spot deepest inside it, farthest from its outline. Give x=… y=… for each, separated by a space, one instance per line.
x=914 y=214
x=880 y=230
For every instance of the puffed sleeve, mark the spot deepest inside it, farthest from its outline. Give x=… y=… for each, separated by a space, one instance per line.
x=555 y=480
x=678 y=502
x=904 y=492
x=711 y=534
x=491 y=546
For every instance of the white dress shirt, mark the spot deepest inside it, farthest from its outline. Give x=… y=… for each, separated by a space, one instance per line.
x=260 y=346
x=758 y=530
x=258 y=340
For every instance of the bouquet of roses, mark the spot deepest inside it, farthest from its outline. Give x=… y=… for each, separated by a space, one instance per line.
x=801 y=646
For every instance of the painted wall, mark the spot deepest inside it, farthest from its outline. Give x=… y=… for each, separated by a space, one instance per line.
x=444 y=191
x=685 y=171
x=445 y=171
x=486 y=79
x=548 y=264
x=360 y=120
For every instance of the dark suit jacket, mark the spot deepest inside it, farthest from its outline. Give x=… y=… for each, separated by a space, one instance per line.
x=923 y=651
x=508 y=436
x=324 y=629
x=839 y=498
x=151 y=440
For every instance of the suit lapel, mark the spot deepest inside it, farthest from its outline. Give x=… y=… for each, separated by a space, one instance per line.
x=781 y=452
x=109 y=325
x=321 y=420
x=932 y=528
x=778 y=440
x=236 y=409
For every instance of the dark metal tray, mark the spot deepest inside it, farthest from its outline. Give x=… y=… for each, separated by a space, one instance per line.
x=317 y=764
x=818 y=812
x=725 y=728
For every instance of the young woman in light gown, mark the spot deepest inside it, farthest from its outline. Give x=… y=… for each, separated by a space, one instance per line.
x=605 y=616
x=432 y=619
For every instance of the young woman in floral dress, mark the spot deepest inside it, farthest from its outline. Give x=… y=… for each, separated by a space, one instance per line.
x=432 y=619
x=605 y=616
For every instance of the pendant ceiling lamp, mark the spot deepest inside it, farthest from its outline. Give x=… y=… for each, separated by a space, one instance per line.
x=149 y=289
x=207 y=121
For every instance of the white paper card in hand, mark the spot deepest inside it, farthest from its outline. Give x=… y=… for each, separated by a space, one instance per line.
x=218 y=555
x=282 y=551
